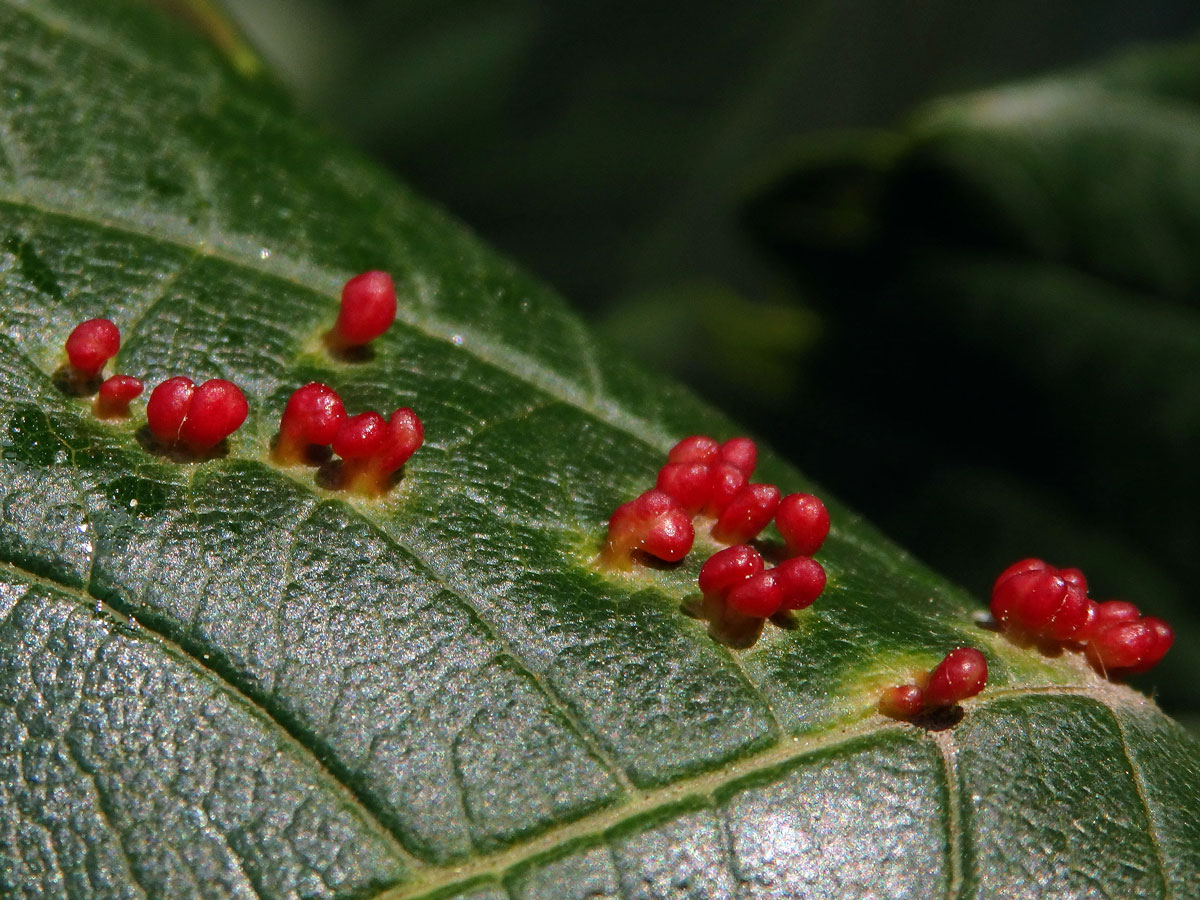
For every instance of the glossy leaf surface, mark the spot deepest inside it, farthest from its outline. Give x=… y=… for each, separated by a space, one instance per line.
x=221 y=678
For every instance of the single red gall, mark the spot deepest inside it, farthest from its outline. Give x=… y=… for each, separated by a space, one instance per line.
x=368 y=309
x=689 y=483
x=1130 y=647
x=741 y=453
x=727 y=481
x=803 y=523
x=91 y=344
x=217 y=409
x=904 y=701
x=653 y=523
x=1106 y=614
x=961 y=674
x=360 y=436
x=698 y=448
x=747 y=513
x=405 y=435
x=115 y=395
x=167 y=407
x=728 y=568
x=311 y=418
x=802 y=580
x=759 y=597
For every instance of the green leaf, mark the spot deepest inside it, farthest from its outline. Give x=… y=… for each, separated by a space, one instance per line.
x=222 y=679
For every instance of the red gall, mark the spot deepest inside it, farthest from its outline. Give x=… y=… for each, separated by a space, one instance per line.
x=653 y=523
x=1032 y=596
x=803 y=523
x=698 y=448
x=689 y=483
x=802 y=580
x=961 y=674
x=747 y=513
x=368 y=310
x=904 y=701
x=311 y=418
x=759 y=597
x=727 y=481
x=374 y=449
x=1130 y=647
x=728 y=568
x=115 y=395
x=199 y=418
x=741 y=453
x=91 y=344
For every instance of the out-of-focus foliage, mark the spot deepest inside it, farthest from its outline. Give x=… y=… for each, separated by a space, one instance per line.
x=1017 y=309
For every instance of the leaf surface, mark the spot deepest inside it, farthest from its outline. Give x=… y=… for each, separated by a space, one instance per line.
x=223 y=679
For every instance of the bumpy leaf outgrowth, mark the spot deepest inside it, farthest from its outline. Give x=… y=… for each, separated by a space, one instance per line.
x=222 y=679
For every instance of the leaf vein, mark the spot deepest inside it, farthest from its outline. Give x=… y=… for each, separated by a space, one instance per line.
x=1140 y=787
x=955 y=845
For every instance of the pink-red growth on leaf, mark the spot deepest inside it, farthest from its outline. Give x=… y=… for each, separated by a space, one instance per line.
x=727 y=481
x=689 y=483
x=904 y=701
x=360 y=436
x=728 y=568
x=1033 y=597
x=802 y=580
x=1129 y=647
x=373 y=449
x=653 y=523
x=368 y=309
x=741 y=453
x=312 y=417
x=91 y=344
x=736 y=576
x=167 y=407
x=115 y=395
x=197 y=417
x=961 y=674
x=760 y=596
x=704 y=475
x=698 y=448
x=803 y=522
x=747 y=513
x=1038 y=599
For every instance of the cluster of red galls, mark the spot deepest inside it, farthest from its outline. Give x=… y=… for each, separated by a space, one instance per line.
x=372 y=448
x=961 y=674
x=1034 y=599
x=704 y=478
x=180 y=413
